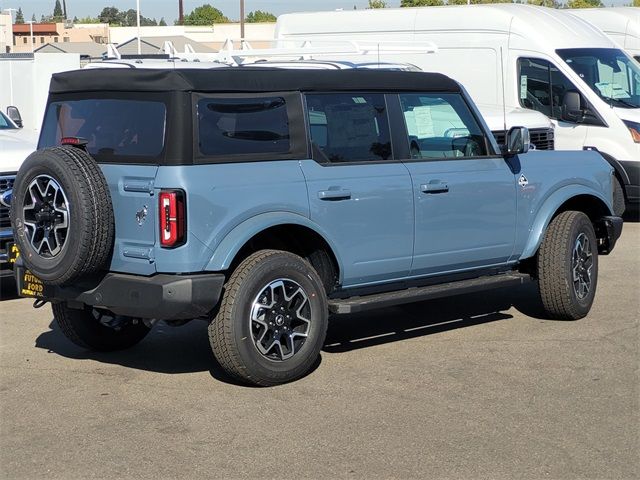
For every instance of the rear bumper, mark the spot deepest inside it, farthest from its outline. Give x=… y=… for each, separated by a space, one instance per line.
x=161 y=297
x=608 y=229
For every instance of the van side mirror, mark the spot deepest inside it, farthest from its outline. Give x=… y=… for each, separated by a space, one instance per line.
x=517 y=141
x=571 y=109
x=14 y=114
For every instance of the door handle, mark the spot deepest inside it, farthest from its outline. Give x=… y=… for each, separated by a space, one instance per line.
x=334 y=194
x=434 y=186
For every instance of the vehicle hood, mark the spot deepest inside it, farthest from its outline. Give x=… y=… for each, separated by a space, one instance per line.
x=630 y=114
x=15 y=146
x=516 y=117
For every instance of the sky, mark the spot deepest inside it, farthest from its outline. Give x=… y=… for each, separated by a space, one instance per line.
x=169 y=8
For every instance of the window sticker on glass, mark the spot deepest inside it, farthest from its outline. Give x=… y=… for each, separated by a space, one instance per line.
x=424 y=121
x=523 y=87
x=359 y=100
x=612 y=90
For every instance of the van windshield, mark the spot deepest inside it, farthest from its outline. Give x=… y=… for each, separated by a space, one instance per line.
x=5 y=123
x=609 y=72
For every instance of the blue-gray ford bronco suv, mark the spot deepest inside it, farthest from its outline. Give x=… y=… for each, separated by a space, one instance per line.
x=262 y=200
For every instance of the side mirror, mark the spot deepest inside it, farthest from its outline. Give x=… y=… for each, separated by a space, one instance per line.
x=14 y=114
x=517 y=141
x=571 y=109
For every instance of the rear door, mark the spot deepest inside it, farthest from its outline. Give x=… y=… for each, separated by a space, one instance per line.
x=358 y=194
x=465 y=198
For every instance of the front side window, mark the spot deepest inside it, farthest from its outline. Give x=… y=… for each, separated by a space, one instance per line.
x=441 y=126
x=349 y=127
x=113 y=128
x=542 y=86
x=5 y=123
x=611 y=74
x=243 y=126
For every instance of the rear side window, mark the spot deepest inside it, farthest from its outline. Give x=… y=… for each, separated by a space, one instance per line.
x=114 y=129
x=243 y=126
x=349 y=127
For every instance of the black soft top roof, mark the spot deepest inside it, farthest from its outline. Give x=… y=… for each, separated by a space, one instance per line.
x=236 y=79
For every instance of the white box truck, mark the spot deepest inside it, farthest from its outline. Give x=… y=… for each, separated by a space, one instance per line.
x=548 y=60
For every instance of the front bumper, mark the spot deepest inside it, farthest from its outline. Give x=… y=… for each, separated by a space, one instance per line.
x=608 y=231
x=160 y=297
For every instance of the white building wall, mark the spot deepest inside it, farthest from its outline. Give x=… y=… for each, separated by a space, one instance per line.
x=6 y=33
x=212 y=36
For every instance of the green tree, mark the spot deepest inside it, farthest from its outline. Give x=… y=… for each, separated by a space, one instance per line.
x=636 y=3
x=377 y=4
x=205 y=15
x=421 y=3
x=19 y=16
x=33 y=17
x=544 y=3
x=86 y=20
x=260 y=16
x=110 y=15
x=162 y=22
x=584 y=3
x=58 y=16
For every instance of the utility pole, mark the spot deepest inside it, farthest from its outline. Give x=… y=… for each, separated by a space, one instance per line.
x=241 y=20
x=138 y=24
x=30 y=22
x=180 y=13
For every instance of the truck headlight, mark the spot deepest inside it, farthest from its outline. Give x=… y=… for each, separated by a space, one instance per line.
x=634 y=129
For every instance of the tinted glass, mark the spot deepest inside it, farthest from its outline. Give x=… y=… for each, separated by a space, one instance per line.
x=349 y=127
x=237 y=126
x=441 y=126
x=113 y=128
x=543 y=87
x=609 y=72
x=5 y=123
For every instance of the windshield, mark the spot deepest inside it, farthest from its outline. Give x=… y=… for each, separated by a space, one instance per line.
x=609 y=72
x=5 y=123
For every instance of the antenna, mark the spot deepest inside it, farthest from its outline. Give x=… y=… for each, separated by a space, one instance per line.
x=504 y=106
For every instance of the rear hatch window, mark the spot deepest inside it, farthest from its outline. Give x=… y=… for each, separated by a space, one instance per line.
x=117 y=131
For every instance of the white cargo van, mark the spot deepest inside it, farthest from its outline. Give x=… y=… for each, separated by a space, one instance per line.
x=548 y=60
x=620 y=24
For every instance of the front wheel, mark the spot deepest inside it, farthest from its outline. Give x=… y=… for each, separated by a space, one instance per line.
x=568 y=266
x=272 y=320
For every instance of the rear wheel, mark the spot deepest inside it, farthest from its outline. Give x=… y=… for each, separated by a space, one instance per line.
x=272 y=320
x=567 y=266
x=98 y=329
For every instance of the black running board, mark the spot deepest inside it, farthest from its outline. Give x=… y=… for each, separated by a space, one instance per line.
x=417 y=294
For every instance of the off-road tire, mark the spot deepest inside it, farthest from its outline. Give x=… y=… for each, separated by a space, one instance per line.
x=85 y=330
x=619 y=205
x=230 y=333
x=89 y=241
x=554 y=267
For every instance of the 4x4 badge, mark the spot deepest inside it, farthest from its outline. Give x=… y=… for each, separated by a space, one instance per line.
x=523 y=182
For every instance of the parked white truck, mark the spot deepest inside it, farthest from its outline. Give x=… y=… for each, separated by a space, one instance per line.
x=528 y=57
x=620 y=24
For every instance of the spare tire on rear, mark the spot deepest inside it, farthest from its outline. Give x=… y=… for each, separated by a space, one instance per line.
x=62 y=215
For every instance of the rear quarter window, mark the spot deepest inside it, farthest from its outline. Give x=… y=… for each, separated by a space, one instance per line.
x=116 y=130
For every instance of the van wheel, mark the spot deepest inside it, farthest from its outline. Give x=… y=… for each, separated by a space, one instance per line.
x=95 y=329
x=272 y=320
x=619 y=206
x=567 y=266
x=62 y=215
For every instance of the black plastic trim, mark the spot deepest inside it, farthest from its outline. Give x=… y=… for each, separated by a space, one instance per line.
x=608 y=230
x=161 y=297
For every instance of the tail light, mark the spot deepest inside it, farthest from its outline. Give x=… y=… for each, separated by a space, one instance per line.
x=172 y=218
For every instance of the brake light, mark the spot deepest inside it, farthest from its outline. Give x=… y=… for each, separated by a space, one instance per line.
x=172 y=218
x=75 y=141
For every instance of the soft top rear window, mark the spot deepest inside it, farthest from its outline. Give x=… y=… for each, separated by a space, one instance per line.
x=116 y=130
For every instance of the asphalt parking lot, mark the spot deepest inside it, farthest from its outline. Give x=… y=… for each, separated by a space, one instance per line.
x=465 y=387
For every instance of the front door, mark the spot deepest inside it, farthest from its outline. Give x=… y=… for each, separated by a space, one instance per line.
x=464 y=195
